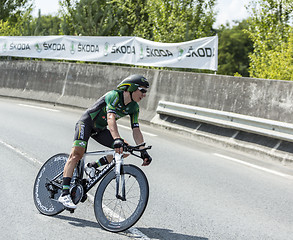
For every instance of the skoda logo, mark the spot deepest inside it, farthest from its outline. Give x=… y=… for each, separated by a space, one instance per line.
x=38 y=47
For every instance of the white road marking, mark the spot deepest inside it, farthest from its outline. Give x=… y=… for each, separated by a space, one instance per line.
x=133 y=230
x=54 y=110
x=37 y=107
x=20 y=152
x=143 y=132
x=138 y=234
x=255 y=166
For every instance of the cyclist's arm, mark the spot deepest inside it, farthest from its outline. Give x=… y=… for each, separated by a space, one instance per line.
x=138 y=138
x=137 y=135
x=112 y=99
x=112 y=125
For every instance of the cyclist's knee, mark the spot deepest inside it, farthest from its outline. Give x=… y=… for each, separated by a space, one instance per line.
x=76 y=154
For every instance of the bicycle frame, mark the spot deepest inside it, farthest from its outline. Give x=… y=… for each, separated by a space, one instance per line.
x=87 y=185
x=116 y=180
x=117 y=161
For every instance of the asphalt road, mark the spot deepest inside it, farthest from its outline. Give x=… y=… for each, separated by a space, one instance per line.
x=197 y=191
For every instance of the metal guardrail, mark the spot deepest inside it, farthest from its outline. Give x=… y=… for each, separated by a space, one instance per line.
x=260 y=126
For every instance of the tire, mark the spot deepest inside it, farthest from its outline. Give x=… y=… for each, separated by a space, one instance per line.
x=114 y=214
x=45 y=203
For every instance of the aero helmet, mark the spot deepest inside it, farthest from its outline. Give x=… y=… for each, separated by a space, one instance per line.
x=132 y=82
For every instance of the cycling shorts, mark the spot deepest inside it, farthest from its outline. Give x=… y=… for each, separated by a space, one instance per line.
x=84 y=130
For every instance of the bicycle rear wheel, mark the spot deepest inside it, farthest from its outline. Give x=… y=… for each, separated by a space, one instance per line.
x=45 y=193
x=116 y=215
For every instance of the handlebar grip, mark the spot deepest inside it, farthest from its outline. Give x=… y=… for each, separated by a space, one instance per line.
x=132 y=149
x=136 y=148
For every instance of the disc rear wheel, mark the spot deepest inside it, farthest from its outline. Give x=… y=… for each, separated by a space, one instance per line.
x=48 y=185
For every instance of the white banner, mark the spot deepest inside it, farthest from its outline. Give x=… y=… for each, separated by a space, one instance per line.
x=200 y=53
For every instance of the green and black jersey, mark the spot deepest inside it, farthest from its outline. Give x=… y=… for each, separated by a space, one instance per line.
x=93 y=122
x=113 y=102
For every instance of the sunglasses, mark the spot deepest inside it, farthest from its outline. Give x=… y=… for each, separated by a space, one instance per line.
x=142 y=90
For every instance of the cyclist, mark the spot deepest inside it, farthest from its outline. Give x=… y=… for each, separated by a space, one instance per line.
x=93 y=123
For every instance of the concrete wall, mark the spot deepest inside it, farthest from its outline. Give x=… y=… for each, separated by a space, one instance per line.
x=269 y=99
x=81 y=84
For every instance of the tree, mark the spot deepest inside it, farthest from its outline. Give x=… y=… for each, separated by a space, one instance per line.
x=275 y=63
x=15 y=16
x=234 y=49
x=88 y=17
x=12 y=9
x=181 y=20
x=19 y=26
x=133 y=18
x=45 y=25
x=271 y=34
x=161 y=20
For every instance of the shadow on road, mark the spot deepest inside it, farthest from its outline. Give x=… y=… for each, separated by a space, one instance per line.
x=161 y=233
x=152 y=233
x=78 y=222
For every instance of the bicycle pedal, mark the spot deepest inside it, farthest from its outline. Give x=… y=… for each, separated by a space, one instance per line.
x=70 y=210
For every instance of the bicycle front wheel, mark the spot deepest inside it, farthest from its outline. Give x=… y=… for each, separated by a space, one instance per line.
x=118 y=215
x=45 y=193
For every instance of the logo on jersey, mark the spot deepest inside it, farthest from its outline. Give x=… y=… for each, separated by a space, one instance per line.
x=81 y=131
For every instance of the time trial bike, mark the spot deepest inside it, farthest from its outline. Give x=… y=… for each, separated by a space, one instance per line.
x=120 y=198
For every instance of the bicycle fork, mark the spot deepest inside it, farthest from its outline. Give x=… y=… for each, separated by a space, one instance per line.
x=120 y=178
x=118 y=165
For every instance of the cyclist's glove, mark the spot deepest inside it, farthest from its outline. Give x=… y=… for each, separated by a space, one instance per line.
x=147 y=159
x=118 y=143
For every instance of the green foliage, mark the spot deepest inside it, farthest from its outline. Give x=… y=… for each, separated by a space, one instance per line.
x=12 y=9
x=237 y=74
x=18 y=26
x=234 y=48
x=5 y=28
x=45 y=25
x=275 y=63
x=271 y=34
x=18 y=21
x=179 y=20
x=161 y=20
x=132 y=18
x=88 y=17
x=15 y=17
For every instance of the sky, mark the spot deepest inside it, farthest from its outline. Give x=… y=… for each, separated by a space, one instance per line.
x=228 y=10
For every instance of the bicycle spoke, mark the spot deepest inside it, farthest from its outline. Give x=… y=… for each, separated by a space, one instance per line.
x=117 y=206
x=115 y=214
